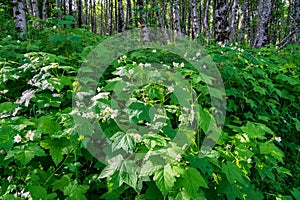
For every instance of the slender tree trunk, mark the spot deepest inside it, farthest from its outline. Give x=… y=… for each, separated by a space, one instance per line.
x=264 y=10
x=70 y=7
x=233 y=20
x=189 y=24
x=160 y=21
x=94 y=17
x=195 y=19
x=65 y=7
x=44 y=11
x=164 y=13
x=176 y=19
x=143 y=22
x=128 y=14
x=183 y=15
x=35 y=7
x=79 y=13
x=29 y=8
x=242 y=24
x=19 y=16
x=110 y=19
x=116 y=15
x=58 y=7
x=222 y=30
x=205 y=19
x=87 y=21
x=121 y=16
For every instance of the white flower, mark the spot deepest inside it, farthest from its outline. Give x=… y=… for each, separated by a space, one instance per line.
x=170 y=89
x=30 y=135
x=54 y=27
x=18 y=41
x=154 y=51
x=114 y=114
x=102 y=95
x=3 y=91
x=134 y=63
x=137 y=137
x=278 y=139
x=227 y=146
x=182 y=64
x=147 y=65
x=249 y=160
x=15 y=76
x=16 y=111
x=131 y=71
x=17 y=138
x=124 y=57
x=56 y=95
x=99 y=89
x=204 y=66
x=175 y=64
x=198 y=54
x=141 y=65
x=178 y=157
x=26 y=96
x=185 y=55
x=9 y=36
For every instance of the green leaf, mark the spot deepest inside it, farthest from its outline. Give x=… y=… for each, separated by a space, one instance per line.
x=191 y=180
x=124 y=141
x=7 y=107
x=253 y=131
x=75 y=191
x=38 y=192
x=233 y=173
x=270 y=148
x=296 y=193
x=62 y=183
x=7 y=137
x=47 y=126
x=113 y=165
x=164 y=179
x=57 y=147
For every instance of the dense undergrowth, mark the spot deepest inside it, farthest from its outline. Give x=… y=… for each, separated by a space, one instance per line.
x=42 y=152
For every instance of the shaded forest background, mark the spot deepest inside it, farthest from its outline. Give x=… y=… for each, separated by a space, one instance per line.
x=253 y=22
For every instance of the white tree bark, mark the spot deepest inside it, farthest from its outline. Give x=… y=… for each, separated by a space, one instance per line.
x=44 y=11
x=176 y=19
x=205 y=19
x=19 y=16
x=264 y=11
x=28 y=6
x=233 y=20
x=194 y=18
x=35 y=8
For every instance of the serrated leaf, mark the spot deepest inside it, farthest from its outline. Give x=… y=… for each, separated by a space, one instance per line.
x=123 y=141
x=38 y=192
x=47 y=126
x=61 y=183
x=253 y=131
x=296 y=193
x=233 y=173
x=192 y=180
x=164 y=179
x=7 y=107
x=6 y=137
x=75 y=191
x=113 y=165
x=270 y=148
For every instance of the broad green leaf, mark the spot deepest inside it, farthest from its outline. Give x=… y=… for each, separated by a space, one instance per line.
x=113 y=165
x=296 y=193
x=192 y=180
x=62 y=183
x=7 y=107
x=253 y=131
x=233 y=173
x=164 y=179
x=75 y=191
x=47 y=126
x=270 y=148
x=38 y=192
x=123 y=141
x=7 y=137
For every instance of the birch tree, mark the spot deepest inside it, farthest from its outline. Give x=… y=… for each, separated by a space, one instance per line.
x=29 y=8
x=222 y=30
x=194 y=19
x=58 y=7
x=143 y=22
x=233 y=20
x=205 y=19
x=35 y=8
x=19 y=16
x=120 y=16
x=44 y=9
x=176 y=19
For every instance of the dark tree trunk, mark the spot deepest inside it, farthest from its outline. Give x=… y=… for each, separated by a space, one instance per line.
x=222 y=30
x=19 y=16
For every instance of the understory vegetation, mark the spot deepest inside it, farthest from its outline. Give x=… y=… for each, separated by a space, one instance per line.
x=44 y=153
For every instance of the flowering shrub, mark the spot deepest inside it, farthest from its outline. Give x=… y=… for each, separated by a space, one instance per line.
x=44 y=154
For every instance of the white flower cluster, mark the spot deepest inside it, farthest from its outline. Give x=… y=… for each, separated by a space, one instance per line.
x=137 y=137
x=26 y=96
x=109 y=113
x=181 y=65
x=122 y=58
x=29 y=136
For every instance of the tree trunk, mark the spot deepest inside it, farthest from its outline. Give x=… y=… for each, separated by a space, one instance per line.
x=110 y=19
x=222 y=30
x=205 y=19
x=70 y=7
x=195 y=19
x=29 y=8
x=121 y=16
x=233 y=20
x=128 y=14
x=264 y=10
x=176 y=19
x=143 y=22
x=183 y=16
x=160 y=21
x=79 y=13
x=19 y=16
x=242 y=24
x=44 y=11
x=65 y=7
x=116 y=15
x=86 y=3
x=35 y=7
x=58 y=7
